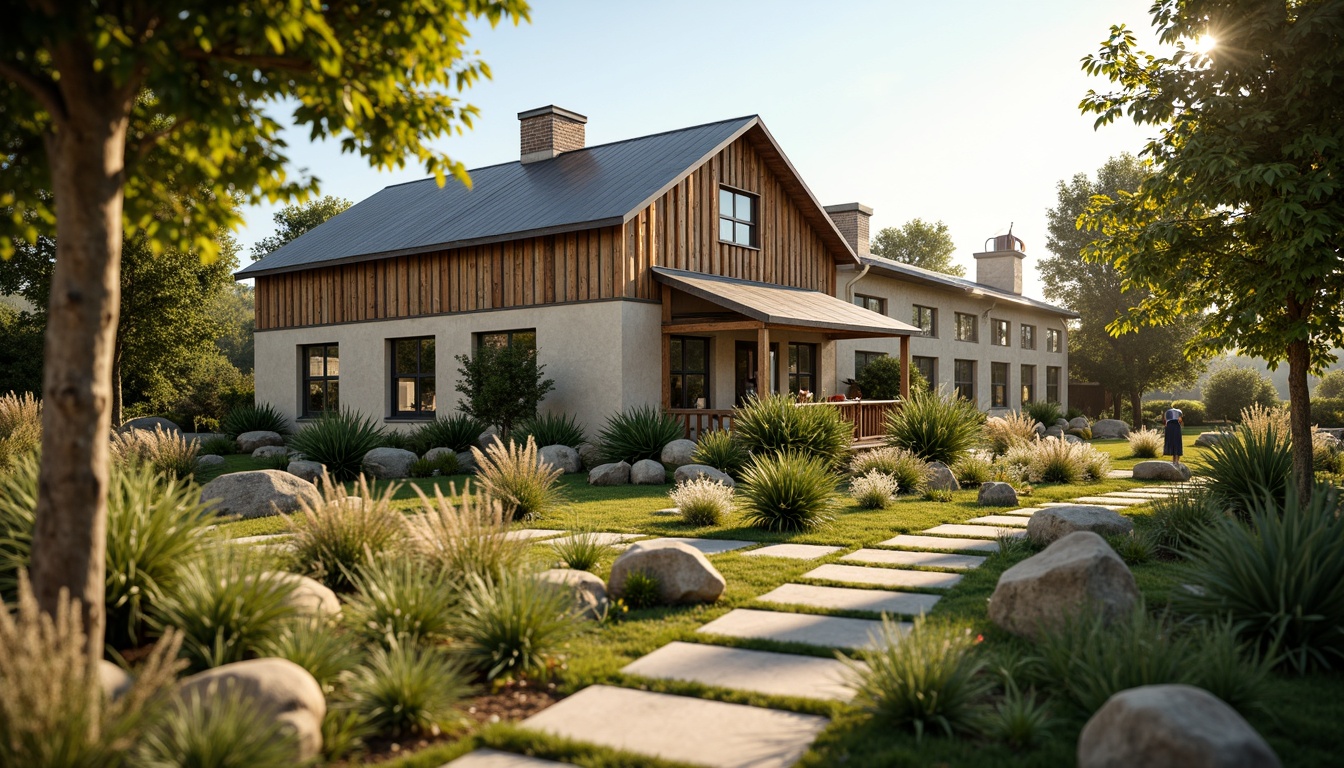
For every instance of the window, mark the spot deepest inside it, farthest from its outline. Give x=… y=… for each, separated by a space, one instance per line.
x=413 y=378
x=525 y=338
x=802 y=367
x=1054 y=340
x=689 y=367
x=1028 y=336
x=1052 y=384
x=1028 y=384
x=321 y=379
x=928 y=367
x=862 y=359
x=871 y=303
x=1001 y=333
x=737 y=217
x=967 y=328
x=998 y=385
x=963 y=379
x=927 y=320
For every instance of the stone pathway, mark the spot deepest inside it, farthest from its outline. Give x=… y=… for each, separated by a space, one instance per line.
x=775 y=674
x=883 y=577
x=707 y=546
x=806 y=628
x=924 y=559
x=794 y=551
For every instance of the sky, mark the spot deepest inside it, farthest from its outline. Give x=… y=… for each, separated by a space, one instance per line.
x=961 y=111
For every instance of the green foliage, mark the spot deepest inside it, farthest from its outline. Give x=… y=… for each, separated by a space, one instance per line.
x=940 y=495
x=1179 y=520
x=1280 y=580
x=873 y=490
x=702 y=501
x=1330 y=386
x=551 y=429
x=334 y=537
x=1327 y=412
x=582 y=550
x=20 y=426
x=1135 y=548
x=926 y=244
x=789 y=491
x=1193 y=412
x=317 y=647
x=1045 y=411
x=218 y=446
x=467 y=538
x=641 y=590
x=1056 y=461
x=502 y=385
x=1018 y=720
x=514 y=625
x=339 y=441
x=167 y=452
x=458 y=433
x=880 y=379
x=21 y=347
x=403 y=600
x=218 y=728
x=1146 y=443
x=1231 y=390
x=443 y=465
x=1244 y=470
x=637 y=433
x=513 y=477
x=719 y=450
x=1003 y=432
x=972 y=471
x=935 y=426
x=408 y=689
x=776 y=424
x=395 y=438
x=910 y=472
x=294 y=220
x=254 y=417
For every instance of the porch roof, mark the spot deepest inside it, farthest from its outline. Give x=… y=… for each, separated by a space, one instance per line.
x=778 y=306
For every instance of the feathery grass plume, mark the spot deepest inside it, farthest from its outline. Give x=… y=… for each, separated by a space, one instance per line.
x=467 y=538
x=582 y=550
x=702 y=501
x=551 y=429
x=402 y=599
x=167 y=452
x=935 y=426
x=874 y=490
x=719 y=450
x=255 y=418
x=220 y=728
x=408 y=689
x=338 y=441
x=514 y=625
x=1145 y=443
x=458 y=432
x=512 y=476
x=788 y=491
x=1262 y=422
x=637 y=433
x=20 y=426
x=910 y=472
x=1003 y=432
x=332 y=538
x=775 y=424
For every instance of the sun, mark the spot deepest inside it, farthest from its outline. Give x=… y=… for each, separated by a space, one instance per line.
x=1204 y=44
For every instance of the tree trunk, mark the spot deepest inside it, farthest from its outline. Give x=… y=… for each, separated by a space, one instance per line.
x=1299 y=403
x=1115 y=406
x=117 y=417
x=1136 y=408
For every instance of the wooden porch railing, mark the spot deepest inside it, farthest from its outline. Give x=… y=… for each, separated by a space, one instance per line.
x=869 y=417
x=697 y=421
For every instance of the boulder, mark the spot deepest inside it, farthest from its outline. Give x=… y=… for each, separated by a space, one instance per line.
x=940 y=478
x=1072 y=439
x=1040 y=430
x=678 y=452
x=1335 y=432
x=588 y=591
x=466 y=462
x=610 y=474
x=1062 y=423
x=562 y=457
x=270 y=451
x=1079 y=422
x=308 y=470
x=1161 y=470
x=1053 y=523
x=648 y=472
x=114 y=680
x=251 y=441
x=308 y=597
x=1055 y=432
x=1076 y=573
x=488 y=437
x=684 y=574
x=388 y=463
x=434 y=454
x=209 y=461
x=277 y=687
x=259 y=493
x=149 y=424
x=688 y=472
x=1110 y=428
x=997 y=495
x=1207 y=439
x=590 y=455
x=1171 y=726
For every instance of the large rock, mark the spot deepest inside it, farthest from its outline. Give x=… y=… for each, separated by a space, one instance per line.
x=1072 y=439
x=251 y=441
x=1040 y=430
x=1076 y=573
x=279 y=688
x=648 y=472
x=489 y=437
x=308 y=470
x=434 y=454
x=466 y=462
x=1055 y=432
x=1053 y=523
x=209 y=461
x=610 y=474
x=149 y=424
x=1170 y=726
x=1207 y=439
x=1062 y=423
x=590 y=455
x=678 y=453
x=562 y=457
x=114 y=680
x=308 y=597
x=688 y=472
x=270 y=451
x=259 y=493
x=684 y=574
x=1161 y=470
x=388 y=463
x=1079 y=422
x=587 y=591
x=1110 y=428
x=997 y=495
x=940 y=478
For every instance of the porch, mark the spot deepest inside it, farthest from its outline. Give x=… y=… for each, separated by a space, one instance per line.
x=868 y=417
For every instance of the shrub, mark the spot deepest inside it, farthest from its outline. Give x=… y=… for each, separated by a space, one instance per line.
x=442 y=465
x=1231 y=390
x=637 y=433
x=776 y=423
x=1279 y=580
x=719 y=450
x=552 y=429
x=338 y=441
x=20 y=426
x=1178 y=520
x=502 y=385
x=1056 y=461
x=1083 y=433
x=220 y=728
x=1146 y=443
x=513 y=625
x=1133 y=547
x=583 y=550
x=972 y=470
x=1073 y=413
x=923 y=679
x=523 y=486
x=1045 y=412
x=167 y=452
x=934 y=426
x=910 y=472
x=403 y=600
x=1243 y=470
x=1003 y=432
x=336 y=536
x=702 y=501
x=218 y=446
x=408 y=689
x=1330 y=386
x=393 y=438
x=1018 y=720
x=1193 y=412
x=641 y=590
x=880 y=379
x=465 y=539
x=874 y=490
x=458 y=433
x=255 y=418
x=1096 y=464
x=787 y=491
x=318 y=648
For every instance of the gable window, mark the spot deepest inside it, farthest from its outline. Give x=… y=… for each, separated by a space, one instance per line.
x=689 y=369
x=998 y=385
x=413 y=391
x=1000 y=333
x=862 y=359
x=963 y=379
x=928 y=367
x=525 y=338
x=1028 y=384
x=967 y=328
x=871 y=303
x=321 y=379
x=802 y=368
x=1028 y=336
x=1052 y=384
x=737 y=217
x=926 y=318
x=1054 y=340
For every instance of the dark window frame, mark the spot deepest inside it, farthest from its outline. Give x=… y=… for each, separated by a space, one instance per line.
x=917 y=363
x=916 y=317
x=753 y=224
x=678 y=368
x=1052 y=369
x=418 y=377
x=326 y=379
x=479 y=338
x=867 y=302
x=1000 y=332
x=957 y=379
x=795 y=378
x=1054 y=340
x=867 y=358
x=1028 y=376
x=998 y=390
x=974 y=327
x=1028 y=333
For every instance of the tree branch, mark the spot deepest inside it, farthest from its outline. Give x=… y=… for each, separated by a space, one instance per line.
x=44 y=90
x=251 y=60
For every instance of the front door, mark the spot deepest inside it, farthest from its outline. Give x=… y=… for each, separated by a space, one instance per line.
x=744 y=370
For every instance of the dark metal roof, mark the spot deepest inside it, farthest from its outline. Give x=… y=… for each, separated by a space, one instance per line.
x=942 y=280
x=593 y=187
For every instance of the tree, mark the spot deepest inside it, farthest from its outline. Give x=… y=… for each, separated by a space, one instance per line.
x=234 y=311
x=1233 y=389
x=880 y=379
x=1127 y=363
x=20 y=351
x=503 y=385
x=293 y=220
x=1244 y=213
x=919 y=243
x=113 y=107
x=1331 y=385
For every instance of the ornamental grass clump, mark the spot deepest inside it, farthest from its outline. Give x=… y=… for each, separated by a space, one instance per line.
x=334 y=537
x=440 y=466
x=641 y=590
x=972 y=470
x=582 y=550
x=935 y=426
x=1053 y=460
x=167 y=452
x=637 y=433
x=465 y=539
x=873 y=490
x=1019 y=719
x=339 y=441
x=317 y=646
x=408 y=689
x=514 y=625
x=1145 y=443
x=774 y=424
x=719 y=450
x=221 y=727
x=513 y=477
x=787 y=491
x=702 y=501
x=20 y=426
x=458 y=433
x=910 y=472
x=254 y=418
x=1003 y=432
x=551 y=429
x=1179 y=520
x=401 y=599
x=1243 y=470
x=1045 y=412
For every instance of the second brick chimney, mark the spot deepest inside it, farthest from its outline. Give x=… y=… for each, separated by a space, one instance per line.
x=550 y=131
x=852 y=221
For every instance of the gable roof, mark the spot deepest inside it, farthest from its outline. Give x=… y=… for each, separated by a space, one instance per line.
x=914 y=274
x=599 y=186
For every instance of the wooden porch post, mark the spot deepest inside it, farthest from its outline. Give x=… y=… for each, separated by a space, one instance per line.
x=762 y=361
x=667 y=348
x=905 y=367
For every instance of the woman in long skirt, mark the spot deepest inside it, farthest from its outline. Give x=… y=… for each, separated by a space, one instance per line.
x=1173 y=444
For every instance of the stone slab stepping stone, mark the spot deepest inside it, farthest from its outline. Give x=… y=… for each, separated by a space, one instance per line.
x=706 y=546
x=1138 y=494
x=605 y=538
x=1124 y=502
x=265 y=539
x=777 y=674
x=974 y=531
x=883 y=577
x=531 y=533
x=926 y=559
x=806 y=628
x=1024 y=512
x=490 y=758
x=1120 y=473
x=845 y=599
x=1012 y=521
x=668 y=512
x=1112 y=507
x=709 y=733
x=794 y=551
x=942 y=543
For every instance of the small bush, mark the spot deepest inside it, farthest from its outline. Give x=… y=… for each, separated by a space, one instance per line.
x=167 y=452
x=339 y=442
x=523 y=486
x=787 y=492
x=333 y=538
x=1073 y=413
x=401 y=599
x=972 y=471
x=514 y=625
x=1231 y=390
x=1082 y=433
x=719 y=450
x=1146 y=443
x=465 y=539
x=1133 y=547
x=458 y=433
x=940 y=495
x=1045 y=412
x=20 y=426
x=1056 y=461
x=393 y=438
x=874 y=490
x=218 y=446
x=1327 y=412
x=1003 y=432
x=1179 y=520
x=641 y=590
x=776 y=424
x=219 y=728
x=551 y=429
x=1193 y=412
x=702 y=501
x=443 y=465
x=502 y=385
x=934 y=426
x=910 y=472
x=637 y=433
x=255 y=418
x=1018 y=720
x=880 y=379
x=408 y=689
x=582 y=551
x=1242 y=471
x=314 y=645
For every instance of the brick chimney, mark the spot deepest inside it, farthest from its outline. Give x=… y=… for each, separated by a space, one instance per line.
x=852 y=221
x=550 y=131
x=1000 y=264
